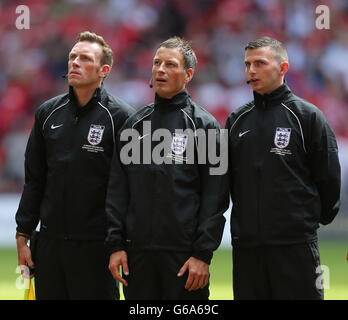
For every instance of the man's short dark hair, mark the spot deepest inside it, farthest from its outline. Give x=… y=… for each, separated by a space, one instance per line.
x=276 y=46
x=107 y=54
x=184 y=46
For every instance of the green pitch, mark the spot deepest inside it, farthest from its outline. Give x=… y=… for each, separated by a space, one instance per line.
x=333 y=255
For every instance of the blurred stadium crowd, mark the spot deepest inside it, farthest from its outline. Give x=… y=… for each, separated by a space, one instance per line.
x=33 y=61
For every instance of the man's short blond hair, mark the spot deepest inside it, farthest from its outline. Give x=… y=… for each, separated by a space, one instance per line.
x=107 y=54
x=185 y=47
x=276 y=46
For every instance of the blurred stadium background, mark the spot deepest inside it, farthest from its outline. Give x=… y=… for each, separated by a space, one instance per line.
x=33 y=61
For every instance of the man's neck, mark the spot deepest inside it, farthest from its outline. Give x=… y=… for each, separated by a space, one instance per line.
x=84 y=95
x=275 y=87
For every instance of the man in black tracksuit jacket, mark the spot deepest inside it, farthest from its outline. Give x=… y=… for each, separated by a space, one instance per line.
x=67 y=163
x=284 y=180
x=169 y=220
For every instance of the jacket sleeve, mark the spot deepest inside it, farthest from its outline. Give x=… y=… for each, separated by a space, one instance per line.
x=228 y=125
x=117 y=193
x=28 y=213
x=116 y=203
x=214 y=198
x=325 y=167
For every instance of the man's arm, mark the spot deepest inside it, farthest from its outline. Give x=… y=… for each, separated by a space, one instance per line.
x=116 y=203
x=325 y=167
x=198 y=273
x=117 y=259
x=214 y=202
x=24 y=254
x=214 y=197
x=28 y=213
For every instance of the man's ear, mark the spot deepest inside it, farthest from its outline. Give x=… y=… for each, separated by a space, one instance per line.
x=189 y=75
x=284 y=67
x=104 y=70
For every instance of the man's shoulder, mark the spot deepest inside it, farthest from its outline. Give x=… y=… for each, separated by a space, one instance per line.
x=116 y=105
x=139 y=115
x=244 y=108
x=301 y=107
x=240 y=110
x=51 y=104
x=202 y=116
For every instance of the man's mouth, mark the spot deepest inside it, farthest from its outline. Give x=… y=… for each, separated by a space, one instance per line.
x=74 y=73
x=161 y=80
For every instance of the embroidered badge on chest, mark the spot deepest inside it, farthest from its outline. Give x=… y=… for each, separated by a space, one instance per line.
x=282 y=137
x=95 y=134
x=179 y=143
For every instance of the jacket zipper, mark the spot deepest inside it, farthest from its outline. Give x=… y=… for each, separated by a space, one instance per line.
x=260 y=157
x=66 y=224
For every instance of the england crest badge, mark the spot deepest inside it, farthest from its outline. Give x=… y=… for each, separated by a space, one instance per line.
x=95 y=134
x=282 y=137
x=179 y=143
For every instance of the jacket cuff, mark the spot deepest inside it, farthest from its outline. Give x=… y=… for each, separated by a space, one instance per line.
x=111 y=248
x=205 y=256
x=24 y=231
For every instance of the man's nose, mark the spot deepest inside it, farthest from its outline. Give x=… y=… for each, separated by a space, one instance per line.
x=75 y=62
x=251 y=68
x=161 y=67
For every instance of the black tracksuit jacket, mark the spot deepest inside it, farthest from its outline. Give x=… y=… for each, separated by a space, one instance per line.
x=67 y=163
x=284 y=170
x=177 y=206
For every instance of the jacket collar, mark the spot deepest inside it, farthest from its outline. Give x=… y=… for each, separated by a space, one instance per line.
x=275 y=97
x=98 y=95
x=177 y=102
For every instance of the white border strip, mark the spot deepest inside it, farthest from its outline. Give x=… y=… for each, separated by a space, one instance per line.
x=194 y=126
x=299 y=123
x=43 y=126
x=112 y=122
x=240 y=116
x=142 y=118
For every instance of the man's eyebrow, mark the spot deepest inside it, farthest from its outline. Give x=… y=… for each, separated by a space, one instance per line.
x=166 y=60
x=81 y=53
x=256 y=60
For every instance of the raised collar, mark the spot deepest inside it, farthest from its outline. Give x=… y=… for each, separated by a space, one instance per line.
x=274 y=97
x=97 y=97
x=178 y=101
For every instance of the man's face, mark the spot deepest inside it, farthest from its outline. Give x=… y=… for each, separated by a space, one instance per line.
x=168 y=73
x=84 y=69
x=263 y=70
